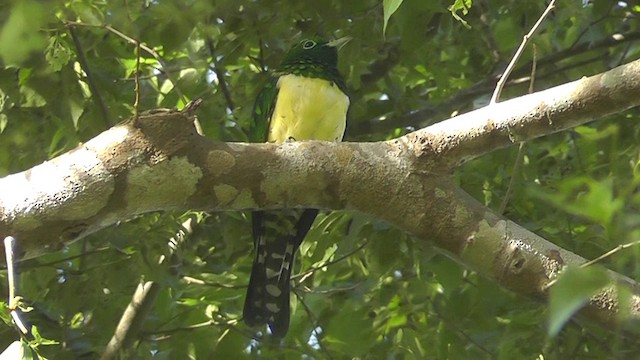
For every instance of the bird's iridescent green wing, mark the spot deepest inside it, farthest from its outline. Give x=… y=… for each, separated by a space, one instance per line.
x=262 y=111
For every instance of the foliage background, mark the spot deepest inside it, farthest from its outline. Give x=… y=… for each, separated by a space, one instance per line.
x=383 y=294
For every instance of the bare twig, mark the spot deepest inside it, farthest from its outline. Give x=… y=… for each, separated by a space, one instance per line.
x=9 y=248
x=305 y=274
x=534 y=68
x=610 y=252
x=191 y=280
x=331 y=291
x=33 y=262
x=136 y=103
x=516 y=56
x=14 y=300
x=132 y=319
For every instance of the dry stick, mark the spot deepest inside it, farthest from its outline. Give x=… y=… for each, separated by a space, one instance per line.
x=136 y=103
x=14 y=301
x=516 y=56
x=9 y=249
x=132 y=319
x=95 y=91
x=610 y=252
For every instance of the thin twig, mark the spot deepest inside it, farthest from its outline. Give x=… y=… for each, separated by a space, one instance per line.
x=610 y=252
x=534 y=68
x=219 y=71
x=33 y=264
x=303 y=275
x=430 y=113
x=191 y=280
x=333 y=290
x=514 y=176
x=14 y=300
x=136 y=103
x=9 y=249
x=263 y=66
x=623 y=56
x=520 y=154
x=144 y=47
x=95 y=91
x=599 y=258
x=316 y=324
x=466 y=337
x=592 y=23
x=516 y=56
x=163 y=334
x=132 y=319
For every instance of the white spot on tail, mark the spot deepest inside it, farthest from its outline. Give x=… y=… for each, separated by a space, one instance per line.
x=273 y=290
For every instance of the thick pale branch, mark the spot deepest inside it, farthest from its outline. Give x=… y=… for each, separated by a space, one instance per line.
x=542 y=113
x=159 y=162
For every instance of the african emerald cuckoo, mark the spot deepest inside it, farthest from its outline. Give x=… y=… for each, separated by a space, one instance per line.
x=305 y=99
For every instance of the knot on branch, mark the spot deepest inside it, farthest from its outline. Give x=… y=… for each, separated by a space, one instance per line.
x=169 y=131
x=429 y=150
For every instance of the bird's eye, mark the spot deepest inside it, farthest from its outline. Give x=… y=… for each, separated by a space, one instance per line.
x=308 y=44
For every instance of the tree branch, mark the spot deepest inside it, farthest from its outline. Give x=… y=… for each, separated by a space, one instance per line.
x=429 y=113
x=131 y=322
x=478 y=132
x=159 y=162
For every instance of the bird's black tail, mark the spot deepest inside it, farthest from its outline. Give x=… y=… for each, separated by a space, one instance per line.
x=277 y=236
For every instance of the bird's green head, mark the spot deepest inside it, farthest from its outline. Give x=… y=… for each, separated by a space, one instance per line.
x=315 y=52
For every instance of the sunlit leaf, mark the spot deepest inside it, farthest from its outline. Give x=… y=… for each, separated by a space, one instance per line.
x=20 y=35
x=389 y=7
x=574 y=288
x=462 y=6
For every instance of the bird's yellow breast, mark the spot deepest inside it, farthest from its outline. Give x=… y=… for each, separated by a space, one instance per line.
x=308 y=109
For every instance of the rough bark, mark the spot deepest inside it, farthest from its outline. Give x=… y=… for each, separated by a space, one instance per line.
x=159 y=162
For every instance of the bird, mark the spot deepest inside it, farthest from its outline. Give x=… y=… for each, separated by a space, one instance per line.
x=305 y=99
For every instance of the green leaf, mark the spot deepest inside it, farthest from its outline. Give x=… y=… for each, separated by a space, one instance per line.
x=593 y=199
x=39 y=339
x=463 y=6
x=21 y=34
x=57 y=54
x=3 y=122
x=574 y=288
x=389 y=7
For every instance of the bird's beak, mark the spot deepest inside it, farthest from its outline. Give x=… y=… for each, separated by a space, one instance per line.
x=339 y=43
